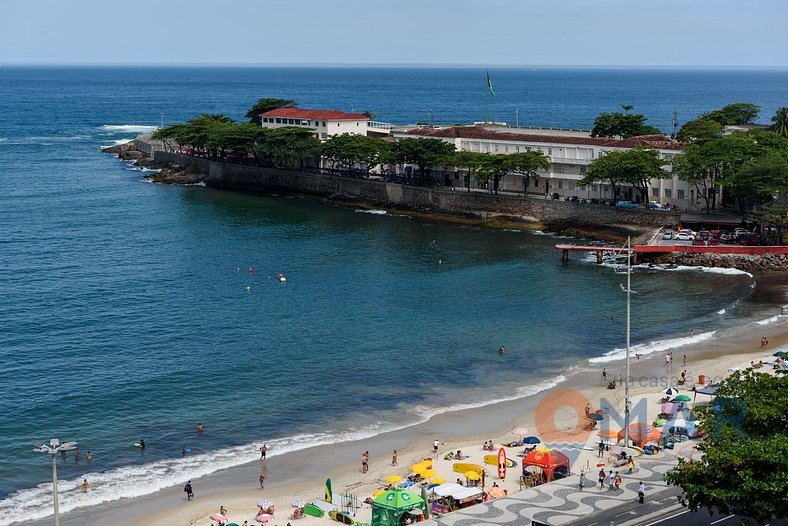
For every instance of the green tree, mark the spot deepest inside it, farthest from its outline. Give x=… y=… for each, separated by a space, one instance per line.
x=195 y=132
x=493 y=167
x=772 y=213
x=711 y=165
x=340 y=150
x=762 y=178
x=743 y=464
x=737 y=113
x=471 y=161
x=622 y=125
x=527 y=164
x=267 y=104
x=780 y=121
x=289 y=146
x=699 y=130
x=348 y=150
x=369 y=114
x=637 y=167
x=424 y=153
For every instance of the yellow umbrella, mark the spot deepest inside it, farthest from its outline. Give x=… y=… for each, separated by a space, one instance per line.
x=393 y=478
x=427 y=462
x=379 y=492
x=428 y=473
x=418 y=468
x=438 y=480
x=472 y=475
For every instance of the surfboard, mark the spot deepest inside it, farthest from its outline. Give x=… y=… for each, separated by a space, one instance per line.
x=137 y=444
x=340 y=517
x=312 y=510
x=188 y=450
x=501 y=464
x=492 y=460
x=461 y=467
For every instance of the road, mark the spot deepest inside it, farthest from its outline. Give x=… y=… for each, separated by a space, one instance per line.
x=661 y=509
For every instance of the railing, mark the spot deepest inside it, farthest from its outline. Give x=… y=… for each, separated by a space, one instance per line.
x=379 y=125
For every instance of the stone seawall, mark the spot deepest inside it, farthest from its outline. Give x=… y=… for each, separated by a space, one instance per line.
x=551 y=213
x=748 y=262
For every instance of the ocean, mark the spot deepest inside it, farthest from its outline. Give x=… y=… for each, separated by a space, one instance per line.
x=133 y=310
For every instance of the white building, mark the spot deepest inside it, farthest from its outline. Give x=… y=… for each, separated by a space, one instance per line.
x=325 y=122
x=570 y=156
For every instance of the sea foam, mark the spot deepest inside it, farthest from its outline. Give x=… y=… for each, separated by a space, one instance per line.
x=129 y=128
x=651 y=347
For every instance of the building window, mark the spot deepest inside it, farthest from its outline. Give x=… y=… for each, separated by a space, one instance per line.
x=560 y=184
x=506 y=149
x=559 y=169
x=324 y=135
x=594 y=188
x=324 y=123
x=607 y=188
x=536 y=181
x=668 y=192
x=655 y=192
x=583 y=168
x=680 y=194
x=549 y=151
x=278 y=120
x=496 y=148
x=571 y=185
x=517 y=149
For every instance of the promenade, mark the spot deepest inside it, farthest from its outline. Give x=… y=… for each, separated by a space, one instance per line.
x=564 y=502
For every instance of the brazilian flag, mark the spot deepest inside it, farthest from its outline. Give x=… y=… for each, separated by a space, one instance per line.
x=329 y=497
x=489 y=84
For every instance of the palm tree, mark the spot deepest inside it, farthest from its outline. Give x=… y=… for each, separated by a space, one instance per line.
x=780 y=121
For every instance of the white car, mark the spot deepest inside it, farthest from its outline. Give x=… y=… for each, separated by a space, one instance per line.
x=667 y=235
x=684 y=236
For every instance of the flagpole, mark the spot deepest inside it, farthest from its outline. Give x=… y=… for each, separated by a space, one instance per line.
x=486 y=97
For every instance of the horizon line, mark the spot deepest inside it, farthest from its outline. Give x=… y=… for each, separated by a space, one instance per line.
x=387 y=65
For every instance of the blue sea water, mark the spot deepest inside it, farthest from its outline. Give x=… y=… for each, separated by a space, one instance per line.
x=124 y=309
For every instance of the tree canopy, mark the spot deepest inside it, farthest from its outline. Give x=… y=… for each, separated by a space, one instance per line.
x=737 y=113
x=743 y=469
x=699 y=130
x=424 y=153
x=780 y=122
x=622 y=125
x=348 y=150
x=636 y=166
x=267 y=104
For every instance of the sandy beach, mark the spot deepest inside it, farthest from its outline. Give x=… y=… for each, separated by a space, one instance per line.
x=301 y=476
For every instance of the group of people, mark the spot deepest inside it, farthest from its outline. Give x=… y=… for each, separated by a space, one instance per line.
x=488 y=446
x=609 y=479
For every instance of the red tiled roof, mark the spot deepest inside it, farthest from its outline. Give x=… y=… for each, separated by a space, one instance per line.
x=317 y=115
x=476 y=132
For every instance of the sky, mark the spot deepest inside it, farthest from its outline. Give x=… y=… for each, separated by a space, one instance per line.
x=451 y=32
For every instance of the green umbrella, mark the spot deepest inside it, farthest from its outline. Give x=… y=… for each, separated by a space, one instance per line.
x=660 y=422
x=232 y=524
x=683 y=398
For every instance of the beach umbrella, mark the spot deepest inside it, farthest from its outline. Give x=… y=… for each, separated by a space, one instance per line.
x=429 y=473
x=520 y=431
x=780 y=352
x=669 y=408
x=531 y=440
x=232 y=524
x=670 y=391
x=607 y=433
x=298 y=503
x=472 y=475
x=264 y=504
x=264 y=517
x=439 y=480
x=379 y=493
x=595 y=416
x=393 y=478
x=683 y=398
x=418 y=468
x=218 y=517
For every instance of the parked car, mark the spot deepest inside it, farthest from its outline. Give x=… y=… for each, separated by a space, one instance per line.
x=740 y=232
x=667 y=234
x=653 y=205
x=726 y=237
x=627 y=204
x=750 y=239
x=684 y=236
x=705 y=235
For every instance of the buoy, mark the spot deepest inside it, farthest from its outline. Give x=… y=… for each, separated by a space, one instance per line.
x=248 y=289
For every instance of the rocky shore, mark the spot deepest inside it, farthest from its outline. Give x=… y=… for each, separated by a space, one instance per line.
x=167 y=172
x=746 y=262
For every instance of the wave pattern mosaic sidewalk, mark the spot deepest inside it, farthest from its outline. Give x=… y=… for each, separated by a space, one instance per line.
x=563 y=501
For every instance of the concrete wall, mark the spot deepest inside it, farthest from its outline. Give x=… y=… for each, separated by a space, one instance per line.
x=548 y=212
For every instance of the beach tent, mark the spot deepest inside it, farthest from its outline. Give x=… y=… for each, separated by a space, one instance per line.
x=549 y=461
x=640 y=433
x=389 y=508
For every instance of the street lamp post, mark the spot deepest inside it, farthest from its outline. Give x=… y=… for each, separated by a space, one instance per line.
x=626 y=380
x=53 y=449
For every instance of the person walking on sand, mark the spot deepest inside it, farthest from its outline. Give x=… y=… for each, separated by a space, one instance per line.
x=394 y=458
x=188 y=490
x=604 y=375
x=365 y=462
x=435 y=445
x=262 y=482
x=685 y=360
x=84 y=485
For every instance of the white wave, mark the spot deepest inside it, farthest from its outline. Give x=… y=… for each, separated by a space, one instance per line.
x=198 y=183
x=376 y=212
x=3 y=139
x=651 y=347
x=118 y=142
x=512 y=230
x=143 y=169
x=540 y=233
x=129 y=128
x=767 y=321
x=685 y=268
x=721 y=311
x=428 y=412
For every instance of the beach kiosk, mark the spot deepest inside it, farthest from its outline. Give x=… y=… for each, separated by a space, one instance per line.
x=394 y=507
x=451 y=497
x=543 y=464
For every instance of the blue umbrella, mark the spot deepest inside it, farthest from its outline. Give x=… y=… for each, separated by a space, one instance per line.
x=595 y=416
x=780 y=352
x=531 y=440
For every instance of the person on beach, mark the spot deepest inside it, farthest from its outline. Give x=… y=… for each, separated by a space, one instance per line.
x=612 y=317
x=84 y=485
x=630 y=464
x=365 y=462
x=764 y=342
x=394 y=458
x=610 y=480
x=641 y=492
x=263 y=451
x=222 y=510
x=667 y=361
x=262 y=482
x=601 y=449
x=604 y=375
x=188 y=490
x=199 y=427
x=183 y=450
x=618 y=480
x=692 y=333
x=637 y=355
x=685 y=360
x=89 y=456
x=435 y=445
x=588 y=408
x=602 y=478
